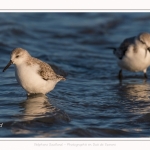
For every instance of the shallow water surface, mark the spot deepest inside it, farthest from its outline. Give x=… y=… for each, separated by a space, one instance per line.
x=92 y=102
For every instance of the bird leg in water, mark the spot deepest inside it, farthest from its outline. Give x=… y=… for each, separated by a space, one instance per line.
x=120 y=74
x=145 y=75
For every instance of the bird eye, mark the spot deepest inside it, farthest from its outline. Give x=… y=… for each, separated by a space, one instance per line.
x=17 y=56
x=148 y=49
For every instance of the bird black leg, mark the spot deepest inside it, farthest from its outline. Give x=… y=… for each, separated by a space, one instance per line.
x=145 y=75
x=120 y=74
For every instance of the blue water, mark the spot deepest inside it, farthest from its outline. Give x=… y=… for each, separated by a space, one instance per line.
x=92 y=102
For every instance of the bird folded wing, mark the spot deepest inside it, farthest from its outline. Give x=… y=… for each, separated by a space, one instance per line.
x=47 y=72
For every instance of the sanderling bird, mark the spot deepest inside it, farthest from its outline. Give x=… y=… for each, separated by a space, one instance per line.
x=34 y=75
x=133 y=54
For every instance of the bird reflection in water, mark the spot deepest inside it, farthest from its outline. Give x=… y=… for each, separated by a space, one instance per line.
x=38 y=113
x=37 y=106
x=135 y=97
x=136 y=91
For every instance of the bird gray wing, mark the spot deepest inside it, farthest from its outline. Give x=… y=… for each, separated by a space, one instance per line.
x=120 y=52
x=47 y=72
x=58 y=71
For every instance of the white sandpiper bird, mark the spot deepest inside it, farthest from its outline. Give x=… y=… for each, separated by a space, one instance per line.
x=133 y=54
x=34 y=75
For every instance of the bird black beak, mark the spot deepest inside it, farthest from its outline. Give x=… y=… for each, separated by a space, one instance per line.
x=10 y=62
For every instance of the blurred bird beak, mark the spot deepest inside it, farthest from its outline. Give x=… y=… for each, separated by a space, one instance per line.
x=10 y=62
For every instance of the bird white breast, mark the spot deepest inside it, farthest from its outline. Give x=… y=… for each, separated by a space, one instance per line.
x=135 y=61
x=31 y=81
